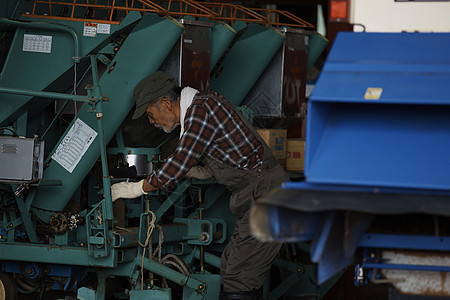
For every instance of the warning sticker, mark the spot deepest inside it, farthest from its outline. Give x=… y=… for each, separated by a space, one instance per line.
x=373 y=93
x=37 y=43
x=74 y=145
x=90 y=29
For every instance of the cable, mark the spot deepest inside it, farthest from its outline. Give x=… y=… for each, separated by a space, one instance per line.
x=169 y=259
x=160 y=242
x=12 y=131
x=359 y=24
x=177 y=262
x=146 y=244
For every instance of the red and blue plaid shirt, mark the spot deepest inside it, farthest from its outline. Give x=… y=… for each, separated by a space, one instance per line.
x=211 y=128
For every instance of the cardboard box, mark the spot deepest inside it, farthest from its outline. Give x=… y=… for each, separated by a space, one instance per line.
x=276 y=140
x=295 y=155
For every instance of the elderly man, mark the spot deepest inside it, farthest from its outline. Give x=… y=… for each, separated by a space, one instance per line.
x=214 y=137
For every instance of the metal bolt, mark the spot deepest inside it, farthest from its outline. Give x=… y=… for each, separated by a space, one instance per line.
x=111 y=68
x=201 y=287
x=105 y=60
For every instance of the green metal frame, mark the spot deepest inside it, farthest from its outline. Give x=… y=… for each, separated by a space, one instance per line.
x=104 y=249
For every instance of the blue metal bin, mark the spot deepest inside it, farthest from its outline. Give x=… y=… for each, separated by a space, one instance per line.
x=379 y=114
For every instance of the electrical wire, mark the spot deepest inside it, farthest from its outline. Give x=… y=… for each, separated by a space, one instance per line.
x=12 y=131
x=177 y=262
x=359 y=24
x=150 y=229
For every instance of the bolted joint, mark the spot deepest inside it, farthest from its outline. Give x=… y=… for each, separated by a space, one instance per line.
x=204 y=237
x=200 y=289
x=99 y=115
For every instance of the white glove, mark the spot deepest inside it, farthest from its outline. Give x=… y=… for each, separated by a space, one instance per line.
x=127 y=190
x=199 y=172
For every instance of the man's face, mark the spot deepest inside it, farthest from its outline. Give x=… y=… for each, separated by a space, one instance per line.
x=161 y=116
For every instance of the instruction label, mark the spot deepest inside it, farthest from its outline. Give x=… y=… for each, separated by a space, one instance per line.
x=103 y=28
x=37 y=43
x=92 y=29
x=74 y=145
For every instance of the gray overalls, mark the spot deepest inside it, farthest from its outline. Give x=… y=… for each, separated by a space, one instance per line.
x=245 y=260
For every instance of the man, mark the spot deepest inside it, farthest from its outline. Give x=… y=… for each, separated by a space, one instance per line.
x=216 y=137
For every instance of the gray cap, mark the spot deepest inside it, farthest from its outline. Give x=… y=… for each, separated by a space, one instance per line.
x=151 y=88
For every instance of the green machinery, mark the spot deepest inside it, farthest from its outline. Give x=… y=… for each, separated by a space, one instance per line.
x=68 y=70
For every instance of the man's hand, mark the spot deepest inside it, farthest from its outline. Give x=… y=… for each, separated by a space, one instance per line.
x=127 y=190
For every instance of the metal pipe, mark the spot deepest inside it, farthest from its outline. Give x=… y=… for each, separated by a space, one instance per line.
x=209 y=258
x=51 y=26
x=161 y=270
x=200 y=216
x=150 y=265
x=42 y=94
x=99 y=114
x=406 y=267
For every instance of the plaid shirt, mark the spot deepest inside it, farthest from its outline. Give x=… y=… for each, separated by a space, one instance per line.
x=211 y=128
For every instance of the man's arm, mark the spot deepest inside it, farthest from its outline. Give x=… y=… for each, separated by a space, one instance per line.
x=198 y=135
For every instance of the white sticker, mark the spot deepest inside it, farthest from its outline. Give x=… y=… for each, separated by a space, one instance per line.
x=103 y=28
x=373 y=93
x=37 y=43
x=90 y=29
x=74 y=145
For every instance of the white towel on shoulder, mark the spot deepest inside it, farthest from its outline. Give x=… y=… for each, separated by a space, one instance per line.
x=187 y=95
